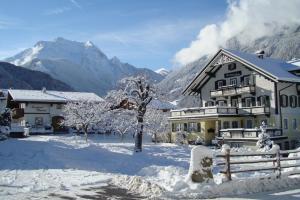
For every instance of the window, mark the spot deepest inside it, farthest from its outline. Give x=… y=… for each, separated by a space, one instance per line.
x=248 y=102
x=209 y=103
x=285 y=124
x=232 y=66
x=198 y=127
x=286 y=145
x=173 y=127
x=58 y=106
x=185 y=128
x=283 y=100
x=294 y=124
x=222 y=103
x=246 y=80
x=249 y=123
x=234 y=102
x=193 y=127
x=220 y=84
x=38 y=121
x=293 y=101
x=225 y=124
x=233 y=81
x=263 y=101
x=234 y=124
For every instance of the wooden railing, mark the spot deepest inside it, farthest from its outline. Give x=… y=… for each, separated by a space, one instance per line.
x=232 y=90
x=248 y=133
x=275 y=158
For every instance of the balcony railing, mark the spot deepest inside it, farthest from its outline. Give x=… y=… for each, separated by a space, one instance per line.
x=204 y=111
x=232 y=90
x=255 y=110
x=237 y=133
x=17 y=113
x=217 y=110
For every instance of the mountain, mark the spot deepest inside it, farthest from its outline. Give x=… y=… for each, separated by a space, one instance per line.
x=12 y=76
x=83 y=66
x=162 y=71
x=282 y=46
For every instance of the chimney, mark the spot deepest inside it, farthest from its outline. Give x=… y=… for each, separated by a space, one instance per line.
x=260 y=54
x=44 y=90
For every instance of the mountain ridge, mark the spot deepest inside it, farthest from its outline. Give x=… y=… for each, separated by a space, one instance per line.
x=82 y=65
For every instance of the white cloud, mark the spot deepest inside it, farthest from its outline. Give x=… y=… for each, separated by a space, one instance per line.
x=75 y=3
x=57 y=11
x=246 y=20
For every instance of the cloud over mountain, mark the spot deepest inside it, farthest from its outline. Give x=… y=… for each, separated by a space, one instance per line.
x=246 y=20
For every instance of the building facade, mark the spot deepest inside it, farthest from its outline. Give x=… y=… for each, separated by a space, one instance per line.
x=41 y=110
x=237 y=92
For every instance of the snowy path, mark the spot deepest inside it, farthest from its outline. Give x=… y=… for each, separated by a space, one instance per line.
x=286 y=194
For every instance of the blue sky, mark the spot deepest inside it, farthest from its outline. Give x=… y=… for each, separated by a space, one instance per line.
x=145 y=33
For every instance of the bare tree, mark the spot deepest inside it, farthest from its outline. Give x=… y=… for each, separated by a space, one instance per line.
x=156 y=124
x=136 y=95
x=123 y=121
x=83 y=114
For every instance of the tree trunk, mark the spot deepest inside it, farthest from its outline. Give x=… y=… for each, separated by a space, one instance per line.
x=85 y=129
x=155 y=138
x=139 y=137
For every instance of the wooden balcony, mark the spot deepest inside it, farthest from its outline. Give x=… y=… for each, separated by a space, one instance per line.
x=219 y=111
x=17 y=113
x=241 y=133
x=256 y=110
x=232 y=90
x=204 y=111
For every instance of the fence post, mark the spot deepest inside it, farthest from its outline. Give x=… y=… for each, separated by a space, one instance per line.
x=278 y=163
x=227 y=161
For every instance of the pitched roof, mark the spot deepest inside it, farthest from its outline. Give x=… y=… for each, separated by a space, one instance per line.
x=281 y=70
x=51 y=96
x=275 y=69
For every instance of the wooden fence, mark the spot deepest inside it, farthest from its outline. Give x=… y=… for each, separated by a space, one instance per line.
x=276 y=158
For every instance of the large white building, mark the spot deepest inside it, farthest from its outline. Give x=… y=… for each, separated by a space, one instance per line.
x=237 y=92
x=41 y=110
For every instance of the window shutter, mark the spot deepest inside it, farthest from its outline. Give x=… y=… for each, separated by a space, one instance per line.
x=258 y=101
x=224 y=82
x=243 y=102
x=253 y=101
x=281 y=100
x=216 y=85
x=291 y=101
x=267 y=101
x=242 y=80
x=205 y=104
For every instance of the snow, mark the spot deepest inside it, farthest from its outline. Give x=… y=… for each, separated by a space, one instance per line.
x=41 y=166
x=162 y=71
x=52 y=96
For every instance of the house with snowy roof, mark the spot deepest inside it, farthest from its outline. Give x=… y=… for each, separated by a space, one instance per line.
x=237 y=92
x=41 y=110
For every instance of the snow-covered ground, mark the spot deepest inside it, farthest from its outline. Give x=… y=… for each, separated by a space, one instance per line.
x=65 y=166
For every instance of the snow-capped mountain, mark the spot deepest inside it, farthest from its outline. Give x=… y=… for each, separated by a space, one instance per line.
x=162 y=71
x=282 y=46
x=83 y=66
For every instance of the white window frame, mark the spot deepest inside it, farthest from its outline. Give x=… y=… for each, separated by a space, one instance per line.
x=233 y=81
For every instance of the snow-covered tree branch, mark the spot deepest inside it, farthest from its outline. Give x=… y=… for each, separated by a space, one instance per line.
x=83 y=114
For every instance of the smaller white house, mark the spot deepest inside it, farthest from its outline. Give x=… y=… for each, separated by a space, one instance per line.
x=41 y=110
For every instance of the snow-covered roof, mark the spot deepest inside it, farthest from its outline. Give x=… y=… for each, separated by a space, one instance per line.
x=51 y=96
x=161 y=105
x=275 y=69
x=281 y=70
